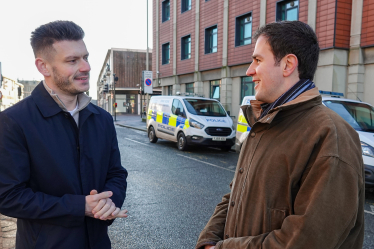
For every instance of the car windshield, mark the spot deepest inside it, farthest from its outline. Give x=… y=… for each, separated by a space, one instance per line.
x=204 y=107
x=359 y=115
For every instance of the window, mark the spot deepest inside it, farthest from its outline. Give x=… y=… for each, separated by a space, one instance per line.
x=170 y=90
x=177 y=108
x=288 y=10
x=165 y=53
x=211 y=40
x=215 y=89
x=189 y=88
x=247 y=88
x=243 y=34
x=186 y=47
x=165 y=10
x=186 y=5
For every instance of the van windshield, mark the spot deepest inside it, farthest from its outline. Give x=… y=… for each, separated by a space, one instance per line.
x=359 y=115
x=204 y=107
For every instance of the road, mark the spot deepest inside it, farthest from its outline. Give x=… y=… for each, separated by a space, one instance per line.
x=172 y=194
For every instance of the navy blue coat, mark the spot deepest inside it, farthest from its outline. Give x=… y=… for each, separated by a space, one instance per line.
x=47 y=167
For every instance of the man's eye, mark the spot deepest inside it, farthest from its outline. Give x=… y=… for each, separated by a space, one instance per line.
x=257 y=60
x=72 y=61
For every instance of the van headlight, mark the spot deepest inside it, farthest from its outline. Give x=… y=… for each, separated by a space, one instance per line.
x=196 y=124
x=367 y=150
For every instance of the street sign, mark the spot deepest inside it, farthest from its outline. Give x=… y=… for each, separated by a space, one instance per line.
x=147 y=82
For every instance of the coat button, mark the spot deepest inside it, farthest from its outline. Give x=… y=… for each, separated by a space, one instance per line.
x=233 y=203
x=227 y=236
x=253 y=134
x=241 y=170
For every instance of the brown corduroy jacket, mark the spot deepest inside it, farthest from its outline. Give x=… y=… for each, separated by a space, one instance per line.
x=299 y=182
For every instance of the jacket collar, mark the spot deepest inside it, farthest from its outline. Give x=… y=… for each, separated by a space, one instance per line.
x=47 y=105
x=304 y=101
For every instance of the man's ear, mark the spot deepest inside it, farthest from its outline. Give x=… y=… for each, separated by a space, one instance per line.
x=42 y=66
x=290 y=65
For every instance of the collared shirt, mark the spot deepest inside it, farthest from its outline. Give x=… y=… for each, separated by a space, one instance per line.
x=82 y=101
x=301 y=86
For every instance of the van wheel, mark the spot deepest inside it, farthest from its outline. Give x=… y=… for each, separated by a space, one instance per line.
x=226 y=148
x=152 y=135
x=182 y=142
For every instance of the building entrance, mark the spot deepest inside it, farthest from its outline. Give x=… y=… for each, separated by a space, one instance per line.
x=127 y=103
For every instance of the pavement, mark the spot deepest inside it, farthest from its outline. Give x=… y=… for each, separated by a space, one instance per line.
x=132 y=121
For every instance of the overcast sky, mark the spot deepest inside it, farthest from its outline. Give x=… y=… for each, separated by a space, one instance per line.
x=107 y=24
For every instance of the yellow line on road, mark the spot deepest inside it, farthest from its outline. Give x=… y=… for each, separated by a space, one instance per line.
x=206 y=163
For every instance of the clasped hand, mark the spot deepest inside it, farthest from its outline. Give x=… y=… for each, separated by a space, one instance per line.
x=100 y=206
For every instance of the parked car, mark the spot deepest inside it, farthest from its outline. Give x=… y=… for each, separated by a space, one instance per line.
x=359 y=115
x=190 y=121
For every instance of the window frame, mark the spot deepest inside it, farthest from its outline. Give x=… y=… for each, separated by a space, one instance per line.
x=162 y=53
x=182 y=47
x=211 y=88
x=242 y=82
x=237 y=28
x=193 y=87
x=183 y=3
x=208 y=40
x=278 y=9
x=170 y=90
x=163 y=19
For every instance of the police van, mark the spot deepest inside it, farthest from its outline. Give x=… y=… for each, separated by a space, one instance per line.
x=189 y=121
x=359 y=115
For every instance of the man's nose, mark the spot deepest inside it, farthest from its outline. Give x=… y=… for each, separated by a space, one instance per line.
x=250 y=71
x=85 y=66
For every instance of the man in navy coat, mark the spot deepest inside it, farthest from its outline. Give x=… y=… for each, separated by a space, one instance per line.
x=60 y=166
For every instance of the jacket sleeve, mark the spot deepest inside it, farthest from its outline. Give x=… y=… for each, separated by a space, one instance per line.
x=213 y=231
x=17 y=199
x=326 y=209
x=116 y=176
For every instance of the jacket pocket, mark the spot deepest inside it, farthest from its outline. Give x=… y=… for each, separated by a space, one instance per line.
x=275 y=218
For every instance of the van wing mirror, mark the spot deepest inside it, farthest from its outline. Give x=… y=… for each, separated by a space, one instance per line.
x=228 y=113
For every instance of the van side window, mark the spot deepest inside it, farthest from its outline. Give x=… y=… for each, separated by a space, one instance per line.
x=177 y=108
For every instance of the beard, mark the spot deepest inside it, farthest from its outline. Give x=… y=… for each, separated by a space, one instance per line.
x=65 y=84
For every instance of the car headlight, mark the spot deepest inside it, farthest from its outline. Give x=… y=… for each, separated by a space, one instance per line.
x=367 y=150
x=233 y=127
x=196 y=124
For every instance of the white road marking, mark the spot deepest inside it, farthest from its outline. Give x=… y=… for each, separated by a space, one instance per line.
x=368 y=212
x=137 y=142
x=206 y=163
x=372 y=208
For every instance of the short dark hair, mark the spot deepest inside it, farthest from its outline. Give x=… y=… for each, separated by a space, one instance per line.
x=44 y=36
x=293 y=37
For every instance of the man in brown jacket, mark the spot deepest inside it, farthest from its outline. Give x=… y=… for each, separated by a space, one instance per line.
x=299 y=180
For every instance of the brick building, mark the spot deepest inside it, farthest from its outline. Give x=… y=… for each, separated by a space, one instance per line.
x=128 y=65
x=204 y=47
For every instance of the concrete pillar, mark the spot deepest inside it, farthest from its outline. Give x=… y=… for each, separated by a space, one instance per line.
x=263 y=13
x=226 y=89
x=175 y=37
x=312 y=13
x=198 y=84
x=225 y=32
x=157 y=49
x=197 y=34
x=356 y=69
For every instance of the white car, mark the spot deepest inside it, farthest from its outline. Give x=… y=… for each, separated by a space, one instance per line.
x=359 y=115
x=190 y=121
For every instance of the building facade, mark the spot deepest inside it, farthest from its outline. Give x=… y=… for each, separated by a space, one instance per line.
x=127 y=65
x=204 y=47
x=11 y=93
x=29 y=86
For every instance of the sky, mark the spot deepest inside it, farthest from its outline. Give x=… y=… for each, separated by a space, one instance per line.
x=107 y=24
